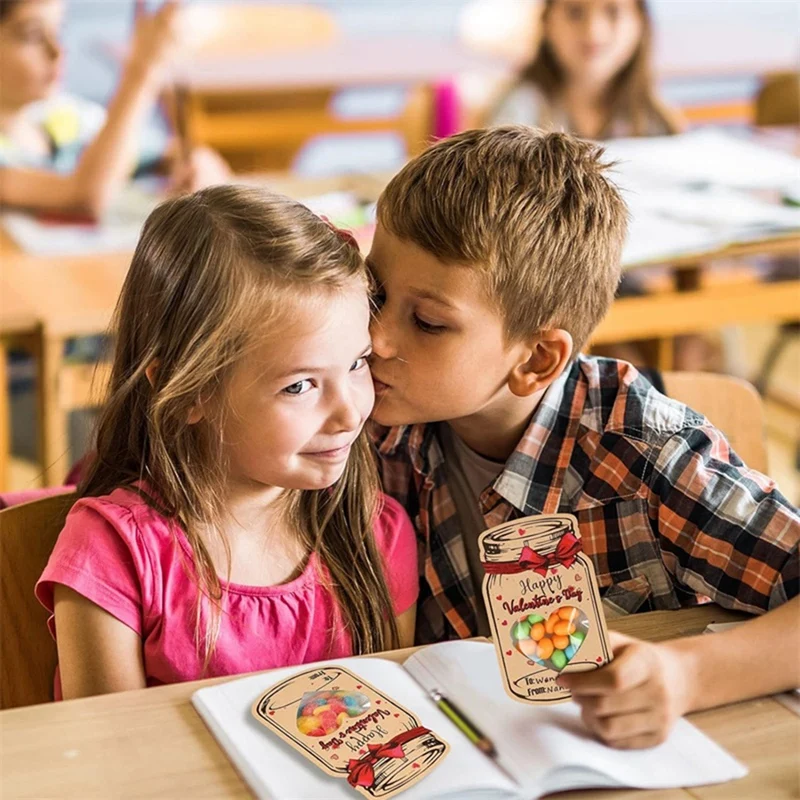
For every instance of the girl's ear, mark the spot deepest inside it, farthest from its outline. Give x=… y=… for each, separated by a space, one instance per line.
x=548 y=355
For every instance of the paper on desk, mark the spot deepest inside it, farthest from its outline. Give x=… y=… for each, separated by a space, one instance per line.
x=117 y=232
x=672 y=221
x=705 y=157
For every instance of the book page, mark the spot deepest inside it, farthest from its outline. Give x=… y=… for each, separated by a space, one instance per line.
x=549 y=749
x=273 y=769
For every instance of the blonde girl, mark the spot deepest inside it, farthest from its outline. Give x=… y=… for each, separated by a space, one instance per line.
x=231 y=520
x=591 y=75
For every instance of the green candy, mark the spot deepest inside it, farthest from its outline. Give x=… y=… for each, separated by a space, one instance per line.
x=522 y=630
x=558 y=659
x=534 y=618
x=577 y=637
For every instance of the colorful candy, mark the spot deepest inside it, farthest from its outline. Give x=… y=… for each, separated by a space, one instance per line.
x=552 y=641
x=322 y=713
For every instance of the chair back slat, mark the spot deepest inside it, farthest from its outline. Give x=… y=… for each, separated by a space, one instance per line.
x=28 y=656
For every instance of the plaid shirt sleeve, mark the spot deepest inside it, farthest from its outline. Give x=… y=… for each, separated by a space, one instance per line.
x=725 y=531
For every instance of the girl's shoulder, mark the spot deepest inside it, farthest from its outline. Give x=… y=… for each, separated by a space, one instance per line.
x=127 y=513
x=523 y=103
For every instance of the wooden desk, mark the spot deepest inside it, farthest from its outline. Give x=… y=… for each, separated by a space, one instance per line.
x=151 y=743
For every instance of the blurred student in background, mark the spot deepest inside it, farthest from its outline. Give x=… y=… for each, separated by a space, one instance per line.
x=64 y=154
x=591 y=75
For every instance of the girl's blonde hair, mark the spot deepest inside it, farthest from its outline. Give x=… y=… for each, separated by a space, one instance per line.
x=632 y=94
x=210 y=272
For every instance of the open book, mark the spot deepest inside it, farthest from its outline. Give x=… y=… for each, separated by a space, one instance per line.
x=543 y=749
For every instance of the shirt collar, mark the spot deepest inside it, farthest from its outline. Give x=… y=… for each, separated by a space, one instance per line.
x=534 y=473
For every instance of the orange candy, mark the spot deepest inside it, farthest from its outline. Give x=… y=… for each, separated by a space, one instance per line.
x=537 y=631
x=568 y=613
x=549 y=626
x=563 y=628
x=545 y=649
x=561 y=642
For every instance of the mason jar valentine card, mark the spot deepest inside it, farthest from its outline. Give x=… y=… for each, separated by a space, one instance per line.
x=543 y=604
x=350 y=730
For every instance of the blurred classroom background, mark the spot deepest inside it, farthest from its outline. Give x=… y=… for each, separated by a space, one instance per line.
x=327 y=99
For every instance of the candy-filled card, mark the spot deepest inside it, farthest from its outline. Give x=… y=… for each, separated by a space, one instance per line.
x=351 y=730
x=543 y=605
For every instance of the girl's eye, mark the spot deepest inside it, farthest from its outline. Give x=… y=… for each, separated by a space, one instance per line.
x=427 y=327
x=359 y=363
x=301 y=387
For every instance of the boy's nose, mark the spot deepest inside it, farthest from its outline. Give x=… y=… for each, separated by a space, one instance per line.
x=382 y=346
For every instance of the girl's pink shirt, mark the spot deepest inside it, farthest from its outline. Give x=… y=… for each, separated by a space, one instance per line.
x=124 y=556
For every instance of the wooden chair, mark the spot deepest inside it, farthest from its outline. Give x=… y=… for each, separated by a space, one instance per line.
x=28 y=534
x=260 y=131
x=731 y=404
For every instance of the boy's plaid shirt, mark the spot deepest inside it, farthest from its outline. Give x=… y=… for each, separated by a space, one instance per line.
x=668 y=512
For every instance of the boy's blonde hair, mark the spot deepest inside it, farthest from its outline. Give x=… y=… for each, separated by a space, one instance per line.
x=534 y=211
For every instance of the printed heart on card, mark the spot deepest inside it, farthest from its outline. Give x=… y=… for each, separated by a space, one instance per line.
x=551 y=641
x=322 y=713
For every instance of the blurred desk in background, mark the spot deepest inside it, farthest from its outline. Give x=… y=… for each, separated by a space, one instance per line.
x=260 y=109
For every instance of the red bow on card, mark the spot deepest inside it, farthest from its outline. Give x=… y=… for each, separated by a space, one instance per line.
x=361 y=772
x=567 y=548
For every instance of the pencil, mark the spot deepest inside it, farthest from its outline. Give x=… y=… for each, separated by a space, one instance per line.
x=181 y=126
x=464 y=724
x=469 y=729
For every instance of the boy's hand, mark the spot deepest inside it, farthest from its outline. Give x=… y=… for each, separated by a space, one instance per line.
x=634 y=701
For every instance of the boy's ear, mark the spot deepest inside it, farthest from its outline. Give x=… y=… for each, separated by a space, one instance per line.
x=548 y=354
x=196 y=412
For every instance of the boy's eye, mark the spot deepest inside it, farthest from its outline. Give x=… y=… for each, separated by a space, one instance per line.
x=359 y=363
x=428 y=327
x=301 y=387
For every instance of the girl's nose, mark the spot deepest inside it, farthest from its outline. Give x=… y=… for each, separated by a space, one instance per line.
x=346 y=414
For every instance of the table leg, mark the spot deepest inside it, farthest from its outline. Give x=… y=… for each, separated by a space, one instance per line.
x=53 y=420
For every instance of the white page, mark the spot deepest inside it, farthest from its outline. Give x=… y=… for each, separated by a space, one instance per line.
x=274 y=770
x=553 y=738
x=118 y=232
x=705 y=157
x=654 y=238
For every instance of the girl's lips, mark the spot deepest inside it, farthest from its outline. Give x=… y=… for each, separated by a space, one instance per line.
x=380 y=386
x=332 y=455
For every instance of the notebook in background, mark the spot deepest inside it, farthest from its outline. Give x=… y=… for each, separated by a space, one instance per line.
x=118 y=232
x=702 y=191
x=545 y=749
